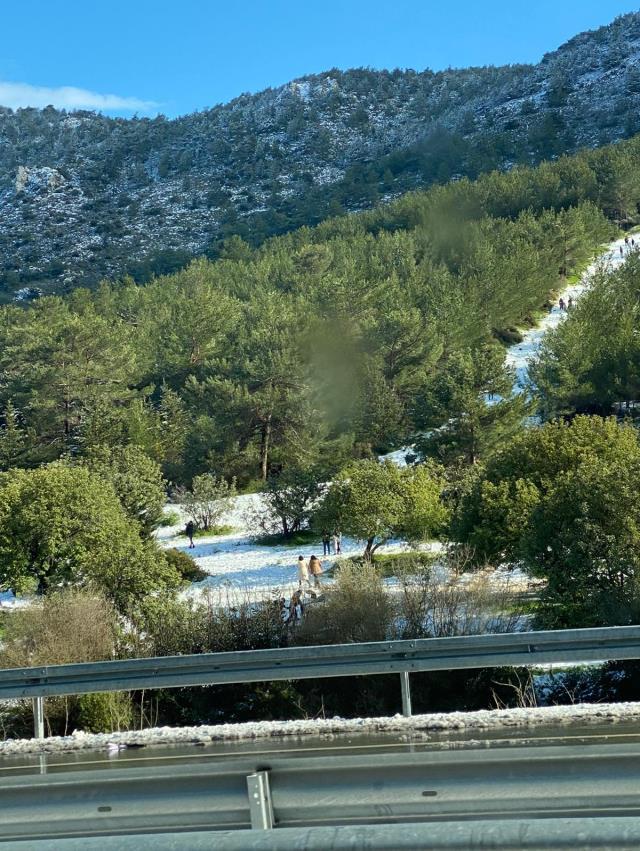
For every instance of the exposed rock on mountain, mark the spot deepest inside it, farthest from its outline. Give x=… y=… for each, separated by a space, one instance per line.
x=84 y=196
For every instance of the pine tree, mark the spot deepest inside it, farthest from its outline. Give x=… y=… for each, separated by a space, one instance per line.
x=13 y=439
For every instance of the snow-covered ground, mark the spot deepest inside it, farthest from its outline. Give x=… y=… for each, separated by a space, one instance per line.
x=520 y=355
x=241 y=568
x=418 y=726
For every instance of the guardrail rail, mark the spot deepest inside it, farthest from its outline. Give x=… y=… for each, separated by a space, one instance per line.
x=337 y=660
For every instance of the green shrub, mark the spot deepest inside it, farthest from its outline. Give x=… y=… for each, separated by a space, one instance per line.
x=170 y=517
x=396 y=564
x=185 y=565
x=105 y=713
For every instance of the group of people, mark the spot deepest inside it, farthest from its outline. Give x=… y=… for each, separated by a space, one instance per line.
x=629 y=245
x=565 y=305
x=312 y=568
x=328 y=539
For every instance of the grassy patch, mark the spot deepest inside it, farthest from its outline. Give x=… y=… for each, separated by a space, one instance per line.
x=170 y=518
x=298 y=539
x=391 y=564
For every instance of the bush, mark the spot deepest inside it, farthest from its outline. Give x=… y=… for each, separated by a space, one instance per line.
x=65 y=627
x=398 y=564
x=170 y=517
x=356 y=608
x=509 y=336
x=436 y=603
x=106 y=712
x=208 y=500
x=184 y=565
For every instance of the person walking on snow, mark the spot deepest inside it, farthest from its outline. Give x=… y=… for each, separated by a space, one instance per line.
x=561 y=304
x=303 y=572
x=570 y=303
x=315 y=568
x=326 y=542
x=190 y=530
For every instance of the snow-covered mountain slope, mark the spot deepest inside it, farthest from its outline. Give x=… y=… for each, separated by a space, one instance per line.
x=83 y=196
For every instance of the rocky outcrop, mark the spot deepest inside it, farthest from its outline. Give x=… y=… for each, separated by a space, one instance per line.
x=43 y=179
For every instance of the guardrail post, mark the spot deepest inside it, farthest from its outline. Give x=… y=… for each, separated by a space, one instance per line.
x=38 y=717
x=406 y=693
x=260 y=804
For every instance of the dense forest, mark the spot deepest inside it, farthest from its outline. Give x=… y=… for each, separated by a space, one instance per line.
x=85 y=196
x=322 y=345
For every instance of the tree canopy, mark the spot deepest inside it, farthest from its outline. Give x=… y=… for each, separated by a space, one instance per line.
x=562 y=499
x=64 y=526
x=375 y=502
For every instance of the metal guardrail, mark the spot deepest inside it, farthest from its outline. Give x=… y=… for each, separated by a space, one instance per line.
x=333 y=660
x=338 y=660
x=599 y=834
x=288 y=794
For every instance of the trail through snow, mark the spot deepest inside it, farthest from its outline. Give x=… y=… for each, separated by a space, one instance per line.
x=520 y=355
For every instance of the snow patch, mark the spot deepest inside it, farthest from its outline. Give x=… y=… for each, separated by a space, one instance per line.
x=489 y=719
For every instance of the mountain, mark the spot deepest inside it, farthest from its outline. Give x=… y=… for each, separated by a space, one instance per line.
x=83 y=196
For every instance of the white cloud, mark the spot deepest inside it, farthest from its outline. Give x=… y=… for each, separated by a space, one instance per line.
x=16 y=95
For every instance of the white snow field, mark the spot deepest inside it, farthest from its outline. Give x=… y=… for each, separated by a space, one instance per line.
x=418 y=726
x=243 y=569
x=239 y=568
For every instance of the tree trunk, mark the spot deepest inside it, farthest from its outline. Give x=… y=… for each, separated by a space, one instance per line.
x=371 y=548
x=265 y=437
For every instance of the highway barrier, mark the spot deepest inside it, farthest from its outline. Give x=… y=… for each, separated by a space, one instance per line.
x=337 y=660
x=266 y=800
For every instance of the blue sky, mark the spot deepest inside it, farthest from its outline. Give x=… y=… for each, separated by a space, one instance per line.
x=174 y=56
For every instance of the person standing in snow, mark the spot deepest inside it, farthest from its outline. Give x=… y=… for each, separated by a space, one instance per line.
x=561 y=304
x=190 y=530
x=326 y=542
x=337 y=543
x=570 y=303
x=303 y=572
x=315 y=568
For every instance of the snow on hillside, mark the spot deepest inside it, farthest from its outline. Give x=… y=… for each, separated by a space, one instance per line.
x=520 y=355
